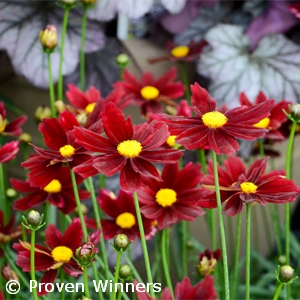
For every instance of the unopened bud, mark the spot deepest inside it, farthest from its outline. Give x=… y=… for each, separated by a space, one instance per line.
x=295 y=112
x=121 y=242
x=25 y=138
x=122 y=60
x=125 y=272
x=85 y=254
x=42 y=112
x=286 y=273
x=34 y=218
x=88 y=2
x=83 y=208
x=11 y=193
x=59 y=106
x=48 y=38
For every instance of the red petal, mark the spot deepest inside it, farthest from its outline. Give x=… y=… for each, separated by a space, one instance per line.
x=109 y=164
x=53 y=237
x=202 y=100
x=73 y=235
x=49 y=277
x=129 y=179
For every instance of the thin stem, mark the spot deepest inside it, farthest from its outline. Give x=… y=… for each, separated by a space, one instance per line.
x=62 y=279
x=77 y=200
x=51 y=87
x=185 y=80
x=236 y=256
x=222 y=227
x=184 y=255
x=248 y=242
x=32 y=270
x=98 y=222
x=276 y=227
x=82 y=54
x=97 y=280
x=86 y=283
x=61 y=54
x=165 y=261
x=3 y=200
x=261 y=148
x=278 y=290
x=143 y=242
x=287 y=205
x=116 y=278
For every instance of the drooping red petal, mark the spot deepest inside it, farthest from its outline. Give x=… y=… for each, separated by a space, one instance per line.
x=49 y=277
x=129 y=179
x=109 y=164
x=222 y=143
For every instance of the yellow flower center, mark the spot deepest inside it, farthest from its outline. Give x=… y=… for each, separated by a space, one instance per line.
x=180 y=51
x=264 y=123
x=90 y=107
x=62 y=254
x=67 y=151
x=214 y=119
x=53 y=187
x=248 y=187
x=171 y=140
x=149 y=92
x=125 y=220
x=166 y=197
x=206 y=266
x=2 y=124
x=130 y=148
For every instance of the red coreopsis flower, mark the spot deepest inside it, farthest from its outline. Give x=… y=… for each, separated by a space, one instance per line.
x=239 y=186
x=131 y=152
x=217 y=128
x=12 y=128
x=59 y=192
x=274 y=121
x=149 y=93
x=207 y=261
x=8 y=231
x=57 y=254
x=174 y=198
x=121 y=210
x=9 y=151
x=186 y=53
x=204 y=290
x=46 y=166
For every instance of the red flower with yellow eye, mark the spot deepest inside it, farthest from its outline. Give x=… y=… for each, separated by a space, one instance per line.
x=177 y=53
x=217 y=128
x=239 y=186
x=12 y=128
x=46 y=166
x=274 y=121
x=57 y=253
x=59 y=192
x=121 y=210
x=126 y=150
x=174 y=198
x=149 y=93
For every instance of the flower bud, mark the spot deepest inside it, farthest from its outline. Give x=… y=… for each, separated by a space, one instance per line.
x=85 y=254
x=282 y=260
x=8 y=274
x=88 y=2
x=121 y=242
x=25 y=138
x=48 y=38
x=59 y=106
x=34 y=218
x=125 y=272
x=68 y=3
x=83 y=208
x=295 y=112
x=42 y=112
x=286 y=273
x=11 y=193
x=122 y=60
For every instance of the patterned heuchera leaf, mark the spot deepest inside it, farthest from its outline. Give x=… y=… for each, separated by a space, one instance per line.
x=20 y=25
x=273 y=67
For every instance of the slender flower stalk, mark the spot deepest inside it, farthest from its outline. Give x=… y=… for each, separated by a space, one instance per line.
x=248 y=241
x=185 y=80
x=97 y=280
x=165 y=262
x=261 y=148
x=276 y=226
x=99 y=226
x=61 y=53
x=236 y=257
x=143 y=241
x=183 y=226
x=86 y=282
x=3 y=199
x=116 y=277
x=51 y=86
x=77 y=200
x=82 y=53
x=222 y=229
x=278 y=290
x=32 y=269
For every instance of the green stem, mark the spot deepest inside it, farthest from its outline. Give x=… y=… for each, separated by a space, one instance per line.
x=132 y=267
x=86 y=283
x=32 y=270
x=62 y=279
x=261 y=148
x=116 y=278
x=61 y=53
x=98 y=222
x=248 y=242
x=82 y=54
x=165 y=260
x=97 y=279
x=287 y=205
x=184 y=256
x=143 y=242
x=51 y=87
x=278 y=290
x=236 y=257
x=185 y=80
x=276 y=227
x=77 y=200
x=3 y=199
x=222 y=229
